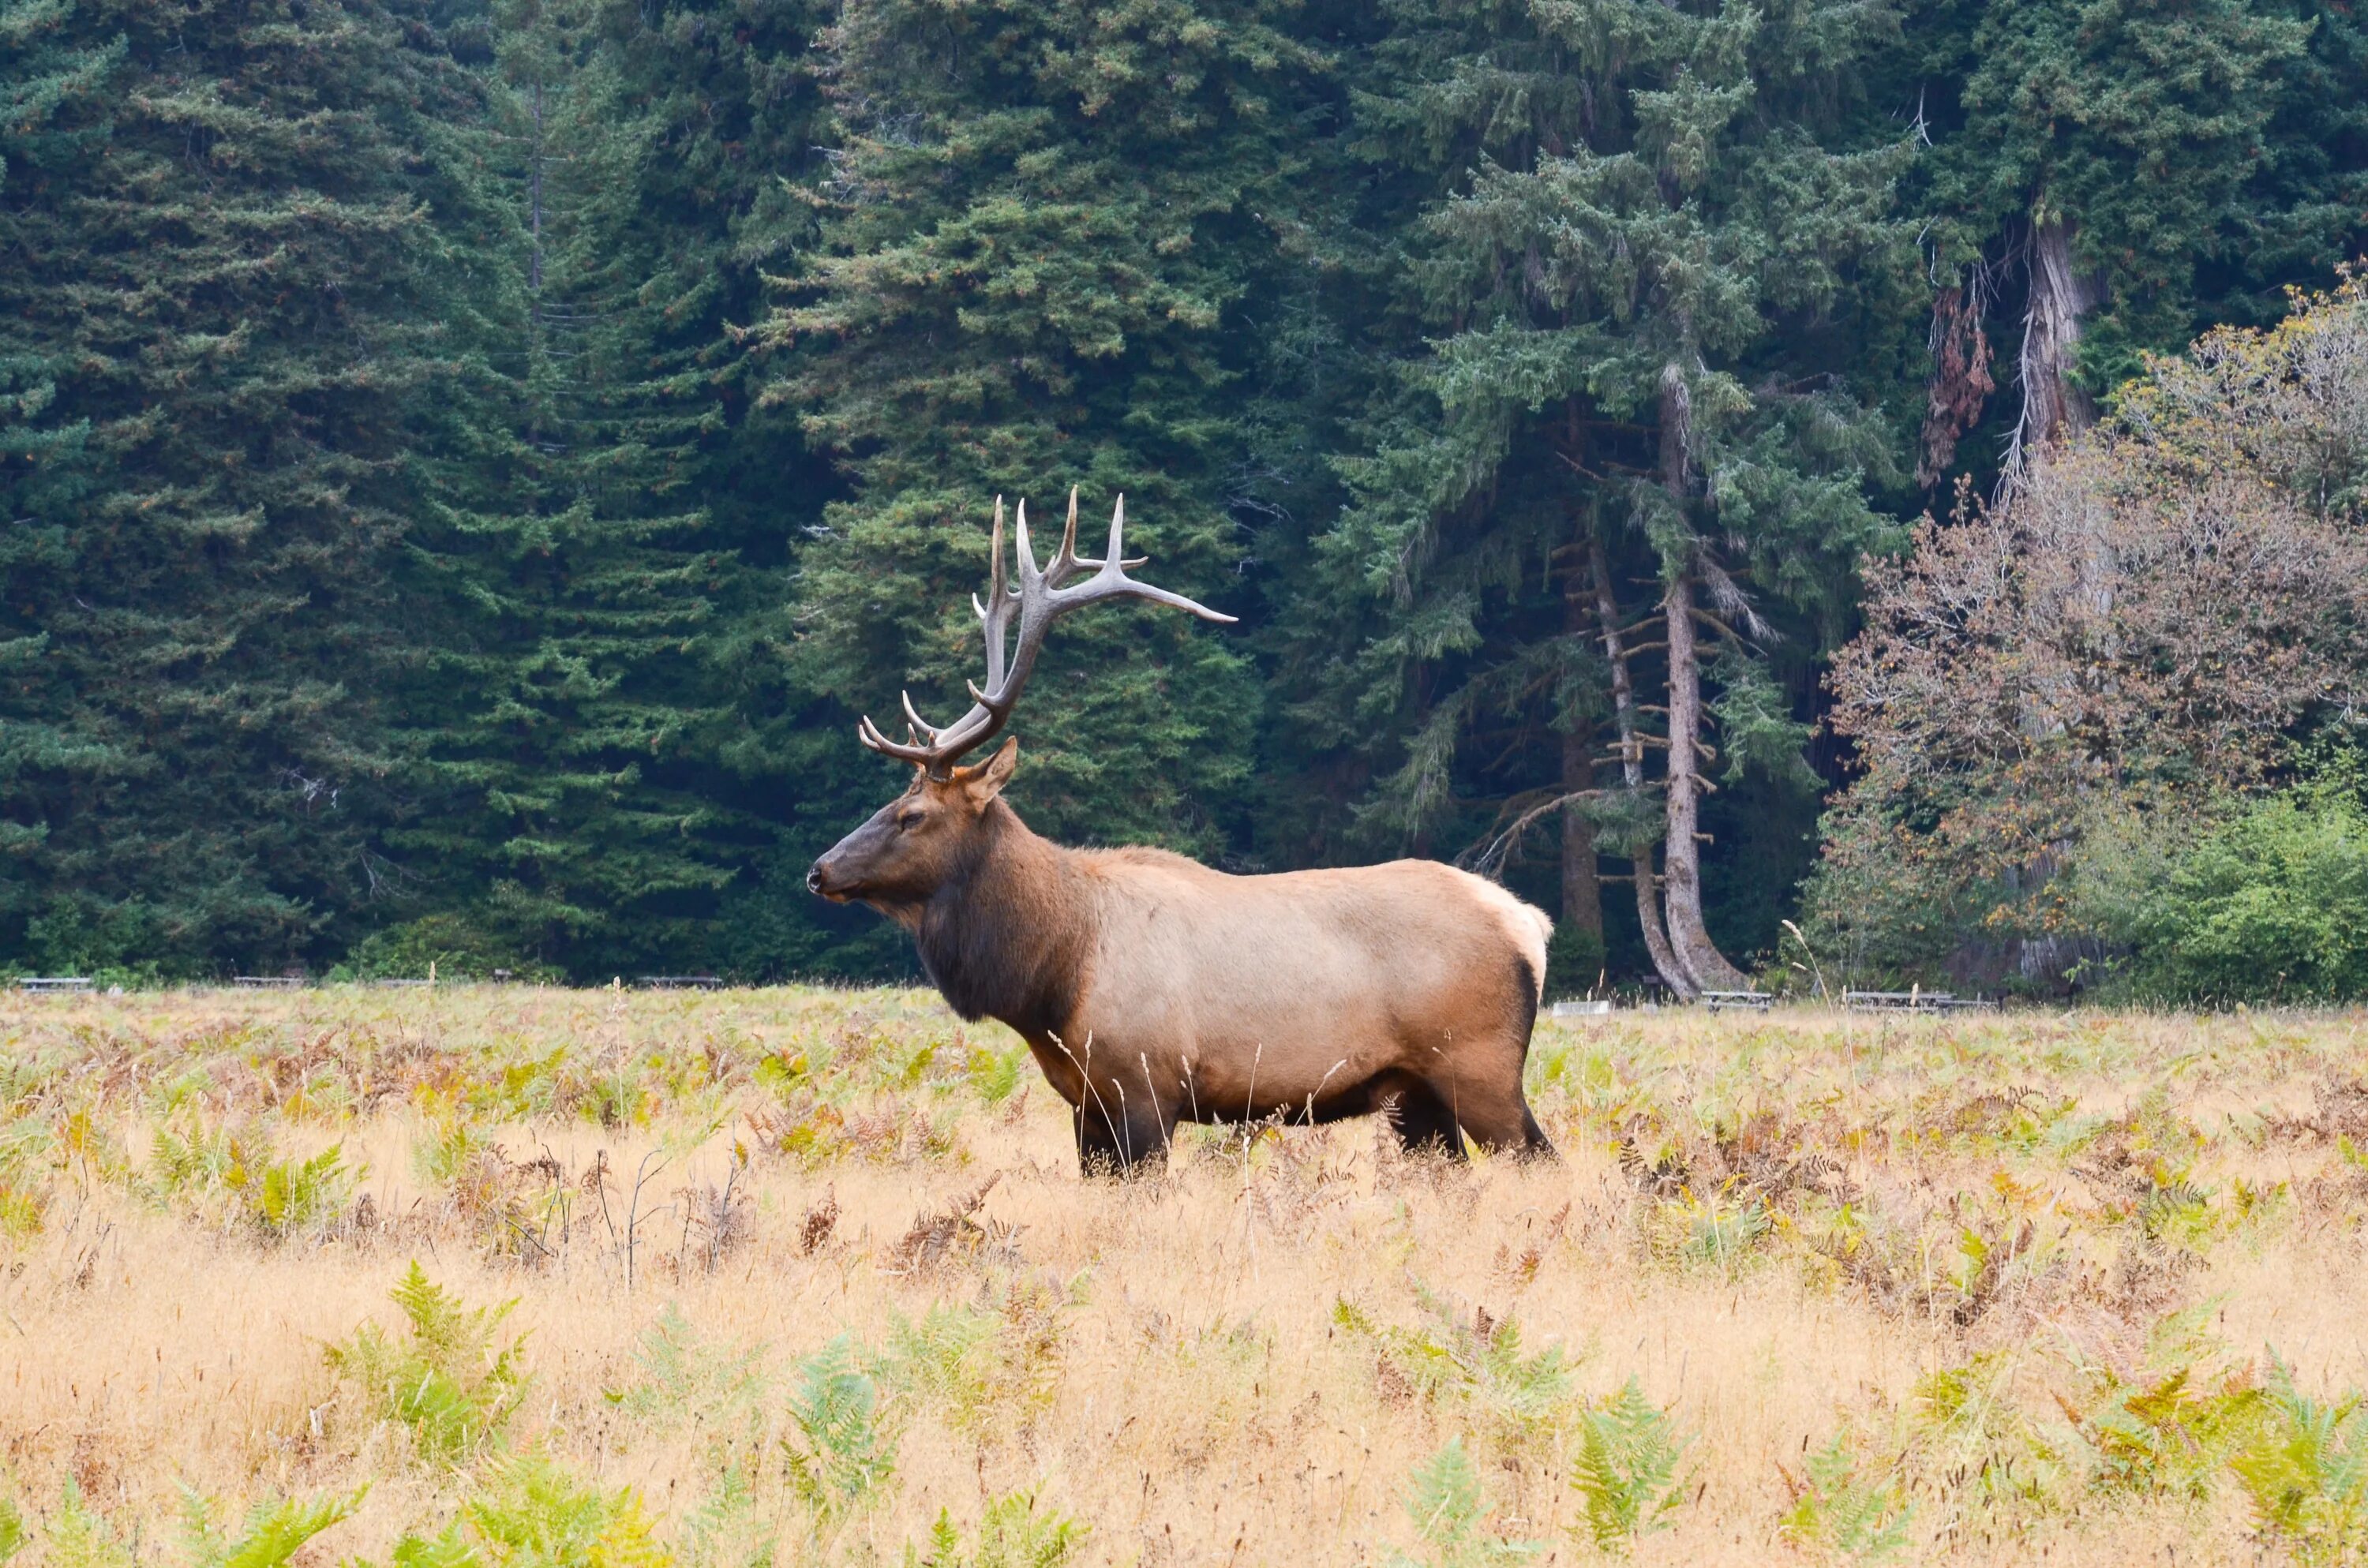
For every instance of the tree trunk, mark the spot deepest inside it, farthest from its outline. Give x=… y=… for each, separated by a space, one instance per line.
x=2054 y=407
x=1697 y=955
x=1582 y=894
x=1681 y=851
x=1631 y=768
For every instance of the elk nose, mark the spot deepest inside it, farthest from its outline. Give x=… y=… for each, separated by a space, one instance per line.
x=813 y=878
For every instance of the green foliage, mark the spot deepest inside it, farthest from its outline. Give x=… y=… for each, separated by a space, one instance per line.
x=2305 y=1472
x=1012 y=1533
x=532 y=1513
x=451 y=1381
x=845 y=1455
x=218 y=323
x=12 y=1530
x=1850 y=1506
x=80 y=1537
x=446 y=946
x=464 y=467
x=1478 y=1363
x=2272 y=906
x=282 y=1196
x=683 y=1376
x=1626 y=1472
x=270 y=1536
x=238 y=1173
x=1450 y=1514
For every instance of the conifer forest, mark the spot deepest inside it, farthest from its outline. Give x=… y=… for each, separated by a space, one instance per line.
x=1839 y=488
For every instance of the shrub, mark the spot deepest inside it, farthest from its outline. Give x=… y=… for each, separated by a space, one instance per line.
x=2306 y=1471
x=2272 y=906
x=1450 y=1512
x=452 y=1382
x=1012 y=1534
x=1627 y=1473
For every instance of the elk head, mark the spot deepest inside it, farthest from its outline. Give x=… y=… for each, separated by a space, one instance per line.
x=924 y=837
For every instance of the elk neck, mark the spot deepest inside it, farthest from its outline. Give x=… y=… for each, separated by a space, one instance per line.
x=1008 y=933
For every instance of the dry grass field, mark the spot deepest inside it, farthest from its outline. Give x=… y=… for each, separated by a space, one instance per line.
x=526 y=1276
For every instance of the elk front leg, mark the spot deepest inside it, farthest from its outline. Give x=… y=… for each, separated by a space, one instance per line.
x=1421 y=1120
x=1119 y=1131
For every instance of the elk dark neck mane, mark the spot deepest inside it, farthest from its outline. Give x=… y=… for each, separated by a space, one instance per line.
x=1009 y=934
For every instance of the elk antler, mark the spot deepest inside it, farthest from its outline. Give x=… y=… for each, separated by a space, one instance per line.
x=1039 y=598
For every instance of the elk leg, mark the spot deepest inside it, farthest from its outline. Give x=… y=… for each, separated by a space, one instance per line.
x=1499 y=1120
x=1422 y=1121
x=1116 y=1135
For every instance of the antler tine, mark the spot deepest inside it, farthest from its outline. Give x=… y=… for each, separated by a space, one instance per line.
x=928 y=732
x=1111 y=580
x=1066 y=562
x=869 y=734
x=1038 y=599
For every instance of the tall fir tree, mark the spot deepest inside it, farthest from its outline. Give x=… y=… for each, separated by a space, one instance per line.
x=1039 y=218
x=1658 y=294
x=601 y=504
x=217 y=318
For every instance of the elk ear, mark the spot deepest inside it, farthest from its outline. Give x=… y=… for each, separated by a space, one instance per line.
x=985 y=782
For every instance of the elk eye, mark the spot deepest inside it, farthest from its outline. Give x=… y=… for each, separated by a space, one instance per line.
x=908 y=821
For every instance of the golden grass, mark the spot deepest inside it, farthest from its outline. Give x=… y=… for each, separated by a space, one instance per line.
x=1969 y=1248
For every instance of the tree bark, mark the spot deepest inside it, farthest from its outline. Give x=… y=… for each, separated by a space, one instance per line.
x=1631 y=768
x=1582 y=893
x=1682 y=851
x=2054 y=407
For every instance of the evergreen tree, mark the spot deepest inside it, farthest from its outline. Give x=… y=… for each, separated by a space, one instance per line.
x=1040 y=217
x=217 y=312
x=600 y=500
x=2109 y=178
x=1670 y=257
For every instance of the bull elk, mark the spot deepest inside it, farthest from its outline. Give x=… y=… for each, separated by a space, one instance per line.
x=1153 y=990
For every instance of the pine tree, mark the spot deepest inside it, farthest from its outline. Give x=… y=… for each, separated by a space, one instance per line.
x=216 y=317
x=591 y=528
x=1654 y=286
x=1040 y=217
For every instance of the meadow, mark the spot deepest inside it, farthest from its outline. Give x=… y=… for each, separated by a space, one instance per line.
x=523 y=1276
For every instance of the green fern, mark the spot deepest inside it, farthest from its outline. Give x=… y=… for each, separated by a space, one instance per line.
x=286 y=1196
x=2306 y=1473
x=186 y=1162
x=449 y=1549
x=12 y=1530
x=1848 y=1511
x=1626 y=1472
x=996 y=1074
x=532 y=1513
x=1450 y=1512
x=947 y=1358
x=453 y=1383
x=1479 y=1362
x=80 y=1537
x=683 y=1375
x=1011 y=1534
x=848 y=1456
x=272 y=1534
